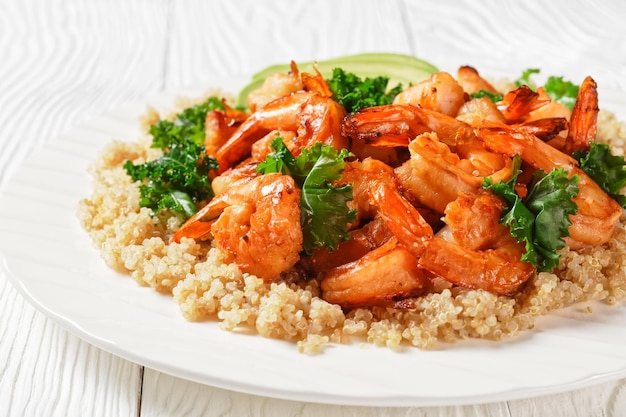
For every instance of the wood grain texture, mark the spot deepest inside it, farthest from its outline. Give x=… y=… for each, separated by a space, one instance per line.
x=200 y=48
x=574 y=38
x=166 y=395
x=45 y=371
x=64 y=61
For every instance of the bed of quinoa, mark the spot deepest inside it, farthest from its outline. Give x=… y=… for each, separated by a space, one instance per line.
x=133 y=241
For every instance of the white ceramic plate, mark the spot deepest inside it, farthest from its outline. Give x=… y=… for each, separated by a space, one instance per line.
x=50 y=259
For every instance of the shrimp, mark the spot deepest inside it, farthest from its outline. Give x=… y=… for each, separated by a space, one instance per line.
x=379 y=202
x=474 y=112
x=316 y=83
x=435 y=175
x=547 y=108
x=376 y=192
x=474 y=250
x=387 y=270
x=256 y=224
x=519 y=103
x=233 y=177
x=597 y=214
x=313 y=117
x=396 y=125
x=380 y=278
x=361 y=241
x=584 y=120
x=276 y=85
x=471 y=81
x=440 y=92
x=219 y=125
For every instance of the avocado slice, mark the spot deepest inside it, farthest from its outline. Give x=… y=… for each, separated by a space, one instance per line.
x=400 y=68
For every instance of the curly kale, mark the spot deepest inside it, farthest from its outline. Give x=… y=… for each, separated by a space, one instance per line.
x=559 y=89
x=324 y=213
x=355 y=93
x=541 y=219
x=606 y=169
x=180 y=177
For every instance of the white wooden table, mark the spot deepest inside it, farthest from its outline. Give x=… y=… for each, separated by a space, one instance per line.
x=64 y=61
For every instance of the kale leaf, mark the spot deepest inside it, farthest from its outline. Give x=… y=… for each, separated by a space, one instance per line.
x=606 y=169
x=559 y=89
x=541 y=219
x=180 y=177
x=355 y=93
x=324 y=212
x=484 y=93
x=563 y=91
x=525 y=78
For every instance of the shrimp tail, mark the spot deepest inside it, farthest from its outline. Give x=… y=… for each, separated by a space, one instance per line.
x=380 y=278
x=584 y=120
x=521 y=101
x=545 y=129
x=402 y=218
x=199 y=225
x=487 y=270
x=401 y=125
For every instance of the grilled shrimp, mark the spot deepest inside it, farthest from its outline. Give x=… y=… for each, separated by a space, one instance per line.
x=387 y=269
x=435 y=175
x=386 y=274
x=474 y=112
x=219 y=125
x=233 y=177
x=474 y=250
x=378 y=201
x=376 y=193
x=398 y=124
x=362 y=241
x=471 y=81
x=440 y=92
x=597 y=214
x=584 y=119
x=314 y=118
x=256 y=224
x=274 y=86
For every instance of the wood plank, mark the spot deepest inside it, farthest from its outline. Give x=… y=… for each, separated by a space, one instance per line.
x=63 y=62
x=167 y=395
x=46 y=371
x=608 y=399
x=199 y=50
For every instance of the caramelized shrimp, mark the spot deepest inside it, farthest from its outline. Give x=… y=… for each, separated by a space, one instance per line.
x=314 y=119
x=386 y=274
x=387 y=270
x=435 y=175
x=219 y=125
x=397 y=125
x=597 y=214
x=362 y=241
x=256 y=224
x=233 y=177
x=316 y=83
x=471 y=81
x=276 y=85
x=475 y=250
x=584 y=120
x=474 y=112
x=376 y=192
x=519 y=103
x=440 y=92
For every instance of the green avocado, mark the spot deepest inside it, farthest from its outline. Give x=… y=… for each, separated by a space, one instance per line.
x=400 y=68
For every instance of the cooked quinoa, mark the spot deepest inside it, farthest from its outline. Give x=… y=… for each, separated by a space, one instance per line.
x=132 y=240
